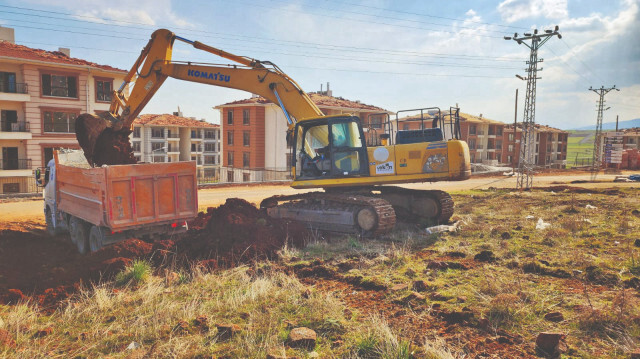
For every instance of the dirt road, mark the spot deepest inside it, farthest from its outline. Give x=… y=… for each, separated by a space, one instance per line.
x=31 y=211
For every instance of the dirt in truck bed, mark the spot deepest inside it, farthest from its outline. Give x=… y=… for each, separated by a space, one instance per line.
x=47 y=270
x=101 y=145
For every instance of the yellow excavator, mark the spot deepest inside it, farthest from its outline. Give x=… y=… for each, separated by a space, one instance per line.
x=329 y=152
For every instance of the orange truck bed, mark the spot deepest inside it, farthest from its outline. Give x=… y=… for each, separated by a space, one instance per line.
x=128 y=197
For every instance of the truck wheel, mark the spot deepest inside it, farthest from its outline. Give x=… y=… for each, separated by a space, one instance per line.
x=82 y=236
x=51 y=230
x=49 y=221
x=74 y=222
x=96 y=238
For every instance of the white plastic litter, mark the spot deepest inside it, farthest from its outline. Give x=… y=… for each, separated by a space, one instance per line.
x=443 y=228
x=133 y=345
x=542 y=224
x=590 y=207
x=530 y=217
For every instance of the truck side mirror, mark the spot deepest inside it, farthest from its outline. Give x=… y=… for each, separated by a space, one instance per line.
x=38 y=176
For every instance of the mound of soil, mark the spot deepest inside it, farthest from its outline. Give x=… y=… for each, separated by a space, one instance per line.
x=47 y=270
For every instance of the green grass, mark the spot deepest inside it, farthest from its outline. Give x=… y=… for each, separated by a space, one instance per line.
x=138 y=272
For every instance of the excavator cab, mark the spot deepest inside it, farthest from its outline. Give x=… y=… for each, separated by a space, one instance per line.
x=330 y=147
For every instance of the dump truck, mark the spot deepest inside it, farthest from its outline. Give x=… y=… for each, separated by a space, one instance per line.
x=99 y=206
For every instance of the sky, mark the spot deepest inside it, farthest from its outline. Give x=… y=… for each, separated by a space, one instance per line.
x=392 y=54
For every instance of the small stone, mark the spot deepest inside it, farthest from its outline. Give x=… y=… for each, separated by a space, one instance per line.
x=550 y=343
x=505 y=235
x=313 y=355
x=133 y=346
x=43 y=332
x=202 y=322
x=398 y=287
x=302 y=337
x=555 y=317
x=227 y=331
x=410 y=273
x=420 y=286
x=6 y=340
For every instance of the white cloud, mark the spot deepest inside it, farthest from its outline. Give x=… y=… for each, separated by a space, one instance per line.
x=514 y=10
x=147 y=12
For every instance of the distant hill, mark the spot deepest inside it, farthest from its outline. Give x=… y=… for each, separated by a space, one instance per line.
x=612 y=125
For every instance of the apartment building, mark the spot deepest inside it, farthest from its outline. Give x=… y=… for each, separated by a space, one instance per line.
x=41 y=94
x=254 y=132
x=173 y=138
x=492 y=142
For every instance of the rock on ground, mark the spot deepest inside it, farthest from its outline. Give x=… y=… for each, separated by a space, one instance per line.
x=302 y=337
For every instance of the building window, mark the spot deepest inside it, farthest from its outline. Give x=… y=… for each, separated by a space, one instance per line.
x=195 y=134
x=511 y=137
x=136 y=146
x=210 y=134
x=375 y=122
x=246 y=138
x=103 y=90
x=138 y=158
x=59 y=121
x=59 y=86
x=230 y=158
x=246 y=177
x=472 y=129
x=246 y=159
x=510 y=148
x=230 y=117
x=157 y=147
x=136 y=132
x=472 y=144
x=230 y=138
x=193 y=147
x=549 y=137
x=499 y=131
x=157 y=132
x=229 y=176
x=245 y=117
x=498 y=144
x=509 y=159
x=405 y=127
x=209 y=147
x=8 y=82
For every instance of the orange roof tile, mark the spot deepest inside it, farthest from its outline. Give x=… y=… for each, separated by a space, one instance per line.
x=319 y=99
x=171 y=120
x=8 y=49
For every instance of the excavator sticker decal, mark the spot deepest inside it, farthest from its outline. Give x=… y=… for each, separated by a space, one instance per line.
x=385 y=168
x=209 y=75
x=436 y=163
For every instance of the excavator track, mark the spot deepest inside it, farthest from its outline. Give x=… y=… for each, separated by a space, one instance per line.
x=413 y=201
x=336 y=212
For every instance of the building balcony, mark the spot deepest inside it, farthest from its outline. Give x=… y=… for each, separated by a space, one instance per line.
x=157 y=138
x=17 y=92
x=15 y=131
x=9 y=164
x=196 y=139
x=173 y=136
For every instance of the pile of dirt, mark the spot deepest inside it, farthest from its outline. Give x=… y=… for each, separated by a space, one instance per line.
x=236 y=232
x=102 y=145
x=46 y=270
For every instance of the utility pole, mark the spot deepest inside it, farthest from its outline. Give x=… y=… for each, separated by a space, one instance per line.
x=526 y=162
x=597 y=146
x=616 y=123
x=515 y=133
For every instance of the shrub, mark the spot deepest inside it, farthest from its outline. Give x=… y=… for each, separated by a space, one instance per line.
x=138 y=272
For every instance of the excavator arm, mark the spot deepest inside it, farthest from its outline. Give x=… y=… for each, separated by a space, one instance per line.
x=97 y=134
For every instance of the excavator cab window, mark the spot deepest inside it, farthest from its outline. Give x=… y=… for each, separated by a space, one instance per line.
x=327 y=149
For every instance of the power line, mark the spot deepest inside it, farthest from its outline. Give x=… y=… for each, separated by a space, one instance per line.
x=235 y=2
x=579 y=59
x=569 y=66
x=428 y=15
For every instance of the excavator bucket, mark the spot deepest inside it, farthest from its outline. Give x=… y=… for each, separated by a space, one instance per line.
x=102 y=145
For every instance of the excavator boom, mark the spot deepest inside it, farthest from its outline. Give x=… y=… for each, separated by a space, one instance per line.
x=98 y=134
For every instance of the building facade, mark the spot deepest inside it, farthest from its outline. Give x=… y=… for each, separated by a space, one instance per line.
x=254 y=130
x=173 y=138
x=41 y=94
x=496 y=143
